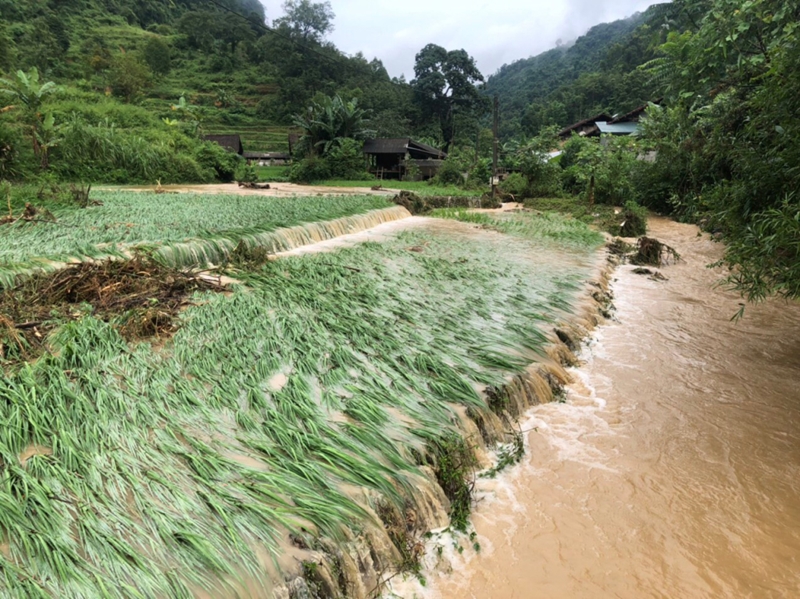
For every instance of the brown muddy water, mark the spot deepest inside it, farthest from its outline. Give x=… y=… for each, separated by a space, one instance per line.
x=673 y=469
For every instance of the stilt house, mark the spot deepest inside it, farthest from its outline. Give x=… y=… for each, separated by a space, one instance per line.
x=395 y=158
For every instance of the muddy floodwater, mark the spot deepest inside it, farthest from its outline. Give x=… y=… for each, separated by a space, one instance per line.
x=673 y=469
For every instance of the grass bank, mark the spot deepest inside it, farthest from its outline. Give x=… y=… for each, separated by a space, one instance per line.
x=548 y=226
x=272 y=173
x=627 y=221
x=419 y=187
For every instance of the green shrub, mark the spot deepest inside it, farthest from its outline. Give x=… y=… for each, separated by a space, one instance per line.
x=451 y=172
x=156 y=54
x=129 y=76
x=309 y=170
x=412 y=172
x=108 y=110
x=212 y=156
x=532 y=160
x=346 y=161
x=603 y=170
x=571 y=150
x=11 y=165
x=516 y=185
x=634 y=221
x=246 y=173
x=180 y=168
x=105 y=154
x=8 y=52
x=481 y=173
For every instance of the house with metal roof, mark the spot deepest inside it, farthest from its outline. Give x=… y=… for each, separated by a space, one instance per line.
x=603 y=124
x=586 y=127
x=611 y=128
x=268 y=158
x=394 y=158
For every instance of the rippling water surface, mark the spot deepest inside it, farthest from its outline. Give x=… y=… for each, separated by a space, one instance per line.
x=673 y=471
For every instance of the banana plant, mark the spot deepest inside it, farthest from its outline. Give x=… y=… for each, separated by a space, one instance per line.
x=27 y=91
x=188 y=114
x=47 y=138
x=330 y=120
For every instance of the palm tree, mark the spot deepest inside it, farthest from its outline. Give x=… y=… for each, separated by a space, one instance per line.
x=27 y=91
x=330 y=120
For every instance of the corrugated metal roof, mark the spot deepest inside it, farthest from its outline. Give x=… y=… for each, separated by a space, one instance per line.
x=267 y=155
x=618 y=128
x=427 y=149
x=599 y=117
x=400 y=145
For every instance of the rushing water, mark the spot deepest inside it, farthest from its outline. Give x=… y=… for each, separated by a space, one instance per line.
x=672 y=471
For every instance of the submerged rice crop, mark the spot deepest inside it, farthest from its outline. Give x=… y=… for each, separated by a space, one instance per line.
x=126 y=471
x=131 y=219
x=548 y=225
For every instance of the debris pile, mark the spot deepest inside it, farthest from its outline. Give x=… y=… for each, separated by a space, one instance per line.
x=141 y=298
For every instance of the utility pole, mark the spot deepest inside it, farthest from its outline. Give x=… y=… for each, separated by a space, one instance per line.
x=495 y=152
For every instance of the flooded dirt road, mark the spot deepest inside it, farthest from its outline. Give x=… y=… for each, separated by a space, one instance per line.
x=673 y=470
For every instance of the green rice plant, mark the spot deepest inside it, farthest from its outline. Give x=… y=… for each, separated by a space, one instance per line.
x=142 y=471
x=200 y=228
x=532 y=226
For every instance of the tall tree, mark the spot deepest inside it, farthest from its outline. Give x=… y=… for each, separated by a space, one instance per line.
x=308 y=20
x=156 y=54
x=129 y=76
x=445 y=86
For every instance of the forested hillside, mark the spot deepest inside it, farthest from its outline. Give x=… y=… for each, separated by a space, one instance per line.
x=596 y=73
x=217 y=51
x=122 y=67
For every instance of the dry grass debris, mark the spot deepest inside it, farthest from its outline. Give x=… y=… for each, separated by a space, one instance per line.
x=141 y=297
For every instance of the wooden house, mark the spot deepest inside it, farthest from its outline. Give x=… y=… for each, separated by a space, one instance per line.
x=393 y=158
x=603 y=124
x=232 y=142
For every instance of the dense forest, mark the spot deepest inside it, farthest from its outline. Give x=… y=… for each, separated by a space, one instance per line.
x=595 y=73
x=143 y=78
x=121 y=91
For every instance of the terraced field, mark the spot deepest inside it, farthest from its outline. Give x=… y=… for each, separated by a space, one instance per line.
x=297 y=413
x=122 y=221
x=255 y=138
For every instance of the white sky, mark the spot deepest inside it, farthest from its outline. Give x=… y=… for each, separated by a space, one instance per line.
x=495 y=33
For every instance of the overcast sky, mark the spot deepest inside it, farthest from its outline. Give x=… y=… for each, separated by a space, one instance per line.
x=494 y=32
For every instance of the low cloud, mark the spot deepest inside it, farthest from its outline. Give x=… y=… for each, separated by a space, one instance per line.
x=495 y=33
